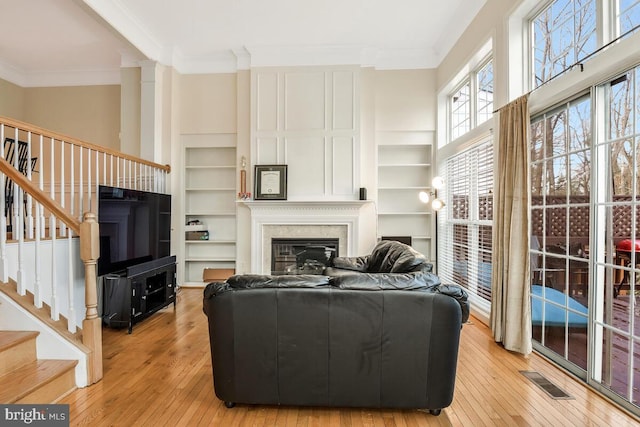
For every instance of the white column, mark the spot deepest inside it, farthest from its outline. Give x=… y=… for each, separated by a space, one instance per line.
x=151 y=107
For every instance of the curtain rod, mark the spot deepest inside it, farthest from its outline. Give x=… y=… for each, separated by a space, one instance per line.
x=579 y=63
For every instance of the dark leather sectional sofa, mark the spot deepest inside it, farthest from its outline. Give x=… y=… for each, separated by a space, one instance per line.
x=376 y=331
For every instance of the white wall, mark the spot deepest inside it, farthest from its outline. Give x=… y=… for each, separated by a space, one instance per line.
x=307 y=118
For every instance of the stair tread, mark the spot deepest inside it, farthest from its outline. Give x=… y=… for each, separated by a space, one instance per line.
x=22 y=381
x=10 y=339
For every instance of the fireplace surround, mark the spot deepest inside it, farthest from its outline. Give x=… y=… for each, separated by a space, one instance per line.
x=350 y=222
x=302 y=255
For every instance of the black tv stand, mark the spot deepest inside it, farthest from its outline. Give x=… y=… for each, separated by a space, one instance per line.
x=139 y=291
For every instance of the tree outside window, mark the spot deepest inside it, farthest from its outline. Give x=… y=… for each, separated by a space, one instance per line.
x=563 y=34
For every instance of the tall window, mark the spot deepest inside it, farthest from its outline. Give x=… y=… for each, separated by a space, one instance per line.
x=585 y=198
x=484 y=92
x=471 y=103
x=466 y=221
x=560 y=228
x=563 y=34
x=585 y=235
x=628 y=14
x=461 y=110
x=617 y=218
x=567 y=31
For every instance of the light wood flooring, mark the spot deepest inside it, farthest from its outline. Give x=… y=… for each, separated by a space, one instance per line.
x=161 y=376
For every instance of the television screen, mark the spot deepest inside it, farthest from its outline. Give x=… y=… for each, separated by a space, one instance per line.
x=135 y=227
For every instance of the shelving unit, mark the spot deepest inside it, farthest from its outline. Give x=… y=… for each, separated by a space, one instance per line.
x=405 y=169
x=210 y=198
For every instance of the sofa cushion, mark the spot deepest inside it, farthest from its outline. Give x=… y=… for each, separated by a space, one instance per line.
x=394 y=257
x=352 y=263
x=409 y=260
x=384 y=281
x=244 y=281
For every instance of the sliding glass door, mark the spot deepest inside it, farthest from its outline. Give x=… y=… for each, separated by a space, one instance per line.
x=585 y=236
x=616 y=308
x=560 y=203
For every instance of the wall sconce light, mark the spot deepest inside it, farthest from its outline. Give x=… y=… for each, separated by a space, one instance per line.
x=426 y=196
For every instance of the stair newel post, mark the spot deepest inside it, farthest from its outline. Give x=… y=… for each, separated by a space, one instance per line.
x=92 y=324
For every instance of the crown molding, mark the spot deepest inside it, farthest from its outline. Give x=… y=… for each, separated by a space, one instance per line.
x=231 y=61
x=58 y=78
x=55 y=78
x=219 y=62
x=248 y=57
x=12 y=74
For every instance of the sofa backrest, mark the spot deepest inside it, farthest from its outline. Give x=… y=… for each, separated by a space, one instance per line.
x=416 y=281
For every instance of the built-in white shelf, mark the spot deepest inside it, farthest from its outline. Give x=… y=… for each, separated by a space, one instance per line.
x=405 y=160
x=209 y=197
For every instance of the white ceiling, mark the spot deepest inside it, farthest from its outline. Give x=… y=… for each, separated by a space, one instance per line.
x=72 y=42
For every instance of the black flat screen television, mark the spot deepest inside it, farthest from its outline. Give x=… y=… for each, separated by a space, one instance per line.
x=135 y=227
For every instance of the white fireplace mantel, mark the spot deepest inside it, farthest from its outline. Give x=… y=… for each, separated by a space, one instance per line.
x=319 y=216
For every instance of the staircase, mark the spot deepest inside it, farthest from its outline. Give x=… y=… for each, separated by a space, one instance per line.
x=48 y=194
x=24 y=378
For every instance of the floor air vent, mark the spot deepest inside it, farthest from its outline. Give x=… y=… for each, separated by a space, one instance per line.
x=547 y=386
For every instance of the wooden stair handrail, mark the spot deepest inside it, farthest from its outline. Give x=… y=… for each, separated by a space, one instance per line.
x=61 y=137
x=35 y=192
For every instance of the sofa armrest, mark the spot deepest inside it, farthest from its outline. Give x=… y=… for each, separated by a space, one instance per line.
x=459 y=294
x=210 y=291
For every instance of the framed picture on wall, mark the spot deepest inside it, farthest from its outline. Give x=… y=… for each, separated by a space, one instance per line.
x=270 y=182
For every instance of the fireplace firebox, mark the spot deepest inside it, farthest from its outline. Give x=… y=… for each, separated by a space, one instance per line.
x=302 y=255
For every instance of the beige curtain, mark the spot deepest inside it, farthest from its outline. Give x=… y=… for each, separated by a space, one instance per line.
x=510 y=301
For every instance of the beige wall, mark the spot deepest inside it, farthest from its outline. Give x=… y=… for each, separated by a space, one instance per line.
x=89 y=113
x=11 y=100
x=208 y=103
x=405 y=100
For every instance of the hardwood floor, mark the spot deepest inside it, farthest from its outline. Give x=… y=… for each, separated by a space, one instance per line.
x=161 y=376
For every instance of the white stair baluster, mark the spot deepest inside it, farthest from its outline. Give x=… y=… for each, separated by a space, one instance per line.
x=71 y=317
x=19 y=225
x=63 y=227
x=80 y=183
x=55 y=307
x=28 y=198
x=40 y=210
x=4 y=273
x=52 y=188
x=72 y=179
x=37 y=292
x=16 y=189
